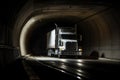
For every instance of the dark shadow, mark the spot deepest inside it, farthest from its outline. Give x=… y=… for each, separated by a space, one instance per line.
x=94 y=54
x=103 y=55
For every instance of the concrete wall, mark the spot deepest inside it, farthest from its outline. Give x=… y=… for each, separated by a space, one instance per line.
x=106 y=34
x=8 y=53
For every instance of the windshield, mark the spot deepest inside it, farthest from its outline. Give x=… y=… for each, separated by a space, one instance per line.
x=68 y=36
x=68 y=30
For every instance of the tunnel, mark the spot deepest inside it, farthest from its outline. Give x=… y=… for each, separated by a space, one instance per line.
x=95 y=24
x=24 y=26
x=98 y=25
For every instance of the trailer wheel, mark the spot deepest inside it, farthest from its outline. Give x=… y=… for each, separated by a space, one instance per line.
x=50 y=52
x=59 y=56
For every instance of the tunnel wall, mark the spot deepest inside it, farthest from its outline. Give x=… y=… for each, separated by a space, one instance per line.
x=22 y=16
x=106 y=36
x=101 y=30
x=8 y=53
x=7 y=56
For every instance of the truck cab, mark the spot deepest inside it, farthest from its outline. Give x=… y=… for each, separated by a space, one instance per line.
x=63 y=42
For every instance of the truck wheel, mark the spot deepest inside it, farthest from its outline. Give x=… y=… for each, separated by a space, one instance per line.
x=50 y=52
x=59 y=56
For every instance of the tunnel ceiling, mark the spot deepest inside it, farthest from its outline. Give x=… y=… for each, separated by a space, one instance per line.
x=10 y=8
x=72 y=13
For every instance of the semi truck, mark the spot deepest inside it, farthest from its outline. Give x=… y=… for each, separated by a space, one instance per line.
x=62 y=41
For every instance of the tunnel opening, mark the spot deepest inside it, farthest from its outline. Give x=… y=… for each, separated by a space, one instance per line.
x=34 y=42
x=37 y=43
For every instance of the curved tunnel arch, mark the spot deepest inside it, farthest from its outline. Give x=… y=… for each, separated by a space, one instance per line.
x=96 y=30
x=28 y=27
x=96 y=33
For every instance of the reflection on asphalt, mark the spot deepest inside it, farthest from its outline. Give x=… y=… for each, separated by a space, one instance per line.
x=92 y=69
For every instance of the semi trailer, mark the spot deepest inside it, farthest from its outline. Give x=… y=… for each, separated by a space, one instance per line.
x=62 y=41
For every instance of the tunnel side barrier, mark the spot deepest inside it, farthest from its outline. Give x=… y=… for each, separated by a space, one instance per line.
x=8 y=55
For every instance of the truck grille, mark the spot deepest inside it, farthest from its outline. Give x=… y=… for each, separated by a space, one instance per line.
x=71 y=46
x=71 y=49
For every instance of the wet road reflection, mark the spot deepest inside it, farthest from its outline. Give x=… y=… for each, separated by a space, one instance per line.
x=87 y=69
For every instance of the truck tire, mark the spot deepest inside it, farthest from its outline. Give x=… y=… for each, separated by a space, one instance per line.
x=50 y=53
x=59 y=56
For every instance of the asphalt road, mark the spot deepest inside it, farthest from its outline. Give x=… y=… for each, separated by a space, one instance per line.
x=75 y=69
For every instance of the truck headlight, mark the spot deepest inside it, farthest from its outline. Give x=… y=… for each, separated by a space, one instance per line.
x=62 y=48
x=80 y=50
